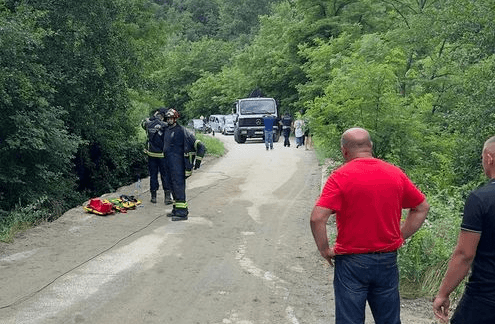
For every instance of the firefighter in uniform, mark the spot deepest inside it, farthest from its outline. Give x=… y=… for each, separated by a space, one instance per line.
x=155 y=127
x=182 y=153
x=286 y=127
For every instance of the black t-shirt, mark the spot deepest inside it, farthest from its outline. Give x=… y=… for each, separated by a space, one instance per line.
x=479 y=217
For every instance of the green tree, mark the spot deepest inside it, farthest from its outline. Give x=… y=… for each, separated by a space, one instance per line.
x=35 y=145
x=240 y=18
x=183 y=64
x=93 y=62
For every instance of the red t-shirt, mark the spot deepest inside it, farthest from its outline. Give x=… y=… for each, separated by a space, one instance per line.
x=368 y=196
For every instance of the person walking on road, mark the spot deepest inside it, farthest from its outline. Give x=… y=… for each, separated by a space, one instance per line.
x=155 y=127
x=286 y=128
x=475 y=250
x=367 y=195
x=299 y=131
x=269 y=121
x=308 y=137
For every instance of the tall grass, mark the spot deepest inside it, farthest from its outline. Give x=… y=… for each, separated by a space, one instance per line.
x=214 y=146
x=22 y=218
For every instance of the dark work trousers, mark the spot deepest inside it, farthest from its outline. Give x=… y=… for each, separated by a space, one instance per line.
x=176 y=171
x=156 y=165
x=286 y=132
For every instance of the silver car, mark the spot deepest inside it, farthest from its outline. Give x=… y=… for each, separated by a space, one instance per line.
x=228 y=126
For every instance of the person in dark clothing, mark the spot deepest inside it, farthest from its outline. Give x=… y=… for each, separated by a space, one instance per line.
x=177 y=148
x=475 y=251
x=286 y=128
x=155 y=127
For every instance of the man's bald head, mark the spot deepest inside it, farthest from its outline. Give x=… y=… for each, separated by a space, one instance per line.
x=355 y=143
x=490 y=145
x=488 y=157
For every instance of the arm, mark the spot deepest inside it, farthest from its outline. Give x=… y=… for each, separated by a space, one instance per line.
x=415 y=218
x=459 y=266
x=319 y=218
x=200 y=153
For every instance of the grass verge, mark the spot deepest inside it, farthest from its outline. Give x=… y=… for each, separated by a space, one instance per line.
x=214 y=146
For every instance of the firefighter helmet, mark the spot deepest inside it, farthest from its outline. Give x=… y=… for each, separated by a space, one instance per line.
x=172 y=113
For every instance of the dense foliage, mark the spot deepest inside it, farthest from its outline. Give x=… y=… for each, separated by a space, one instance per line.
x=76 y=77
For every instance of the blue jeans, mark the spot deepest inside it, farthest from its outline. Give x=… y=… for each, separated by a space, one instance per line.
x=269 y=139
x=366 y=277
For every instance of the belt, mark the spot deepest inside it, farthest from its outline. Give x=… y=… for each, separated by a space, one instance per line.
x=381 y=252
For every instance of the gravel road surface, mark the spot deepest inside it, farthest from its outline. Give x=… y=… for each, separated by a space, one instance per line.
x=245 y=256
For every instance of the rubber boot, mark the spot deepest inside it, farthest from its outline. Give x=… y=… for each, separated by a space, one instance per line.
x=172 y=213
x=153 y=197
x=168 y=197
x=180 y=214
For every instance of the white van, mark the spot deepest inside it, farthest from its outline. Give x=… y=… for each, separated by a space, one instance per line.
x=216 y=123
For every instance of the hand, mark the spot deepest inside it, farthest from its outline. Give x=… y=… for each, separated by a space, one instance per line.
x=197 y=164
x=441 y=308
x=328 y=254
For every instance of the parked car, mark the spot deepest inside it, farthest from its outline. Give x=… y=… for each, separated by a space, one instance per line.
x=216 y=123
x=228 y=126
x=199 y=125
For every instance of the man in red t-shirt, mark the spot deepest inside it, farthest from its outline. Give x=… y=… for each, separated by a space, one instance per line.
x=368 y=196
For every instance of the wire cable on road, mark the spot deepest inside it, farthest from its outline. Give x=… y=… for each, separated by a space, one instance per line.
x=28 y=296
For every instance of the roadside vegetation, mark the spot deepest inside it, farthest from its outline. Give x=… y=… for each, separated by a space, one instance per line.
x=77 y=77
x=214 y=147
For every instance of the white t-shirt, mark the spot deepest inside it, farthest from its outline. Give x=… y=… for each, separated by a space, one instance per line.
x=298 y=125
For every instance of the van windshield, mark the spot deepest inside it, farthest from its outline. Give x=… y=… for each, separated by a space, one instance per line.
x=257 y=107
x=229 y=119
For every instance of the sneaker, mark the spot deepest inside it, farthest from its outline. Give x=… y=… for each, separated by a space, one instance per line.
x=271 y=148
x=178 y=218
x=267 y=148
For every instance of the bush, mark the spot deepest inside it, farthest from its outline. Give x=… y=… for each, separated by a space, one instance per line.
x=424 y=258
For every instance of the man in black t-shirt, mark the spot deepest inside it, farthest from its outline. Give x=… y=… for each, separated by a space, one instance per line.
x=476 y=250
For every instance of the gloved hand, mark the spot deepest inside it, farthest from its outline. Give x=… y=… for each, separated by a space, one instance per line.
x=197 y=164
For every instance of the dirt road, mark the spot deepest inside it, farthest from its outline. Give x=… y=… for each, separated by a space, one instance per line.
x=245 y=256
